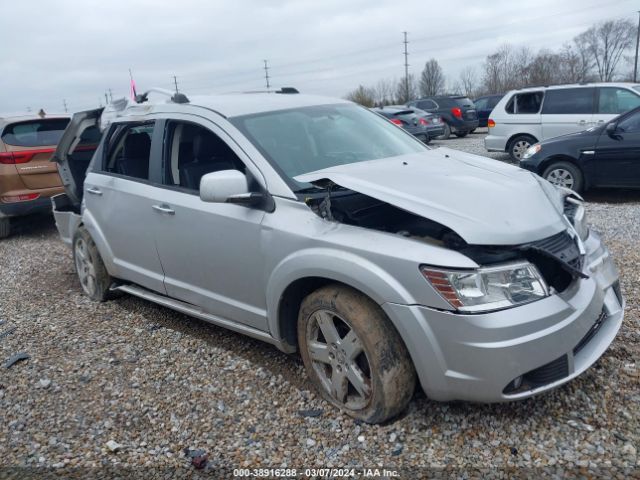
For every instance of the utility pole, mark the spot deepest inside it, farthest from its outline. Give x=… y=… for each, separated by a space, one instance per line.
x=64 y=102
x=106 y=98
x=266 y=74
x=406 y=67
x=110 y=95
x=635 y=64
x=175 y=82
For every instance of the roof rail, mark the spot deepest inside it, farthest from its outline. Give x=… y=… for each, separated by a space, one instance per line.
x=174 y=97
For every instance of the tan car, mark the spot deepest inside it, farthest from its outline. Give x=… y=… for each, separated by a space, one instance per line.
x=27 y=176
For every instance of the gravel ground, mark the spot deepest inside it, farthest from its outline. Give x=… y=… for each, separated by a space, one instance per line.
x=156 y=382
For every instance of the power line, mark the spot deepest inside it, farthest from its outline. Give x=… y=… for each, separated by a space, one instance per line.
x=266 y=73
x=406 y=67
x=635 y=63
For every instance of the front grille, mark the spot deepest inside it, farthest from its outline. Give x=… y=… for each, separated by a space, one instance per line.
x=562 y=246
x=591 y=333
x=544 y=375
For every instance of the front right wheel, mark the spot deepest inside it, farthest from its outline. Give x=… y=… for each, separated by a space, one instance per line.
x=354 y=355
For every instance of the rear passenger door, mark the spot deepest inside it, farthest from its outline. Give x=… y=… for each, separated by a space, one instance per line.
x=120 y=194
x=567 y=110
x=211 y=252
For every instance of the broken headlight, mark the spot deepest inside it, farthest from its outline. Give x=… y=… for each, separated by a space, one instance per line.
x=488 y=288
x=574 y=210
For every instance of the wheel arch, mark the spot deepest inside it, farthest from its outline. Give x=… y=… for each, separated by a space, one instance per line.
x=293 y=279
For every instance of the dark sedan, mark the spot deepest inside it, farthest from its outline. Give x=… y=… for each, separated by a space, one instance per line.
x=421 y=124
x=602 y=156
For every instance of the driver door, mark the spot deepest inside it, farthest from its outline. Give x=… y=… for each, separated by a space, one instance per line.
x=617 y=154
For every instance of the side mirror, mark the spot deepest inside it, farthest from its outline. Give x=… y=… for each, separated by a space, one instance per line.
x=232 y=186
x=219 y=187
x=611 y=128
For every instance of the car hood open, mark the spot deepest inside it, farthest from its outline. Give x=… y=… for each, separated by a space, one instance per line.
x=485 y=201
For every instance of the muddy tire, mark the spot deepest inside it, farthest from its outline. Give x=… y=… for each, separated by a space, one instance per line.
x=353 y=354
x=92 y=274
x=5 y=227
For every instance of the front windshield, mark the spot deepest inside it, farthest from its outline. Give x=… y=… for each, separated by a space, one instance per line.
x=307 y=139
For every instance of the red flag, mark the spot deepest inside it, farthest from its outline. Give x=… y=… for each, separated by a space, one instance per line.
x=133 y=89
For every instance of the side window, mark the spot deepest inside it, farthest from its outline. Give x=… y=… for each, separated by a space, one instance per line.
x=493 y=101
x=630 y=124
x=528 y=102
x=427 y=105
x=569 y=101
x=130 y=150
x=481 y=104
x=191 y=152
x=617 y=100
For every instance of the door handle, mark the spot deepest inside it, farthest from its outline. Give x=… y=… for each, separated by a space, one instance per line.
x=94 y=191
x=164 y=209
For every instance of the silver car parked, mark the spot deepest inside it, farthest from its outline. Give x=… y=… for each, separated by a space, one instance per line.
x=530 y=115
x=316 y=225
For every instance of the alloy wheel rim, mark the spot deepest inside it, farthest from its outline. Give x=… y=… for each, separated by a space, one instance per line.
x=84 y=267
x=519 y=148
x=338 y=358
x=561 y=177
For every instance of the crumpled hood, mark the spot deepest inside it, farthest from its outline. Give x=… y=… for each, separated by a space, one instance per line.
x=485 y=201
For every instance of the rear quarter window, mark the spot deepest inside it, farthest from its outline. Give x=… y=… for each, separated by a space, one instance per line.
x=529 y=102
x=34 y=133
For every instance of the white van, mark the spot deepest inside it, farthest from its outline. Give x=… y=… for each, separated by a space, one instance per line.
x=529 y=115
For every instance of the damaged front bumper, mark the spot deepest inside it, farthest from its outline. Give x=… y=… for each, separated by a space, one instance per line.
x=517 y=352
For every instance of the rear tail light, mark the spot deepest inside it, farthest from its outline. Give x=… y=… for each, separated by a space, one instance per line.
x=19 y=198
x=24 y=156
x=422 y=121
x=491 y=123
x=396 y=121
x=456 y=112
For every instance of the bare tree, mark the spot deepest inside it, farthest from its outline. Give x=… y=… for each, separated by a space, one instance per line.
x=506 y=69
x=431 y=79
x=468 y=81
x=384 y=92
x=362 y=95
x=606 y=42
x=401 y=92
x=543 y=69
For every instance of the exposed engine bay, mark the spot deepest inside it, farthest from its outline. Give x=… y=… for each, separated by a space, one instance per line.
x=558 y=258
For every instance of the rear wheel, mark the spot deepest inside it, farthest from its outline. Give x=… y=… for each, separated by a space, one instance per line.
x=519 y=145
x=5 y=227
x=354 y=355
x=93 y=276
x=564 y=174
x=461 y=134
x=446 y=134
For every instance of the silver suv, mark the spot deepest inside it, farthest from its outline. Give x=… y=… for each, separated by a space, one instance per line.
x=320 y=227
x=529 y=115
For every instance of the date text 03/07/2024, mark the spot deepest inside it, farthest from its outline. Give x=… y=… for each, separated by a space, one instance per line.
x=316 y=472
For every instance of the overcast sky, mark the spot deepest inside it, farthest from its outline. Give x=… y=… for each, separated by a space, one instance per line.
x=76 y=50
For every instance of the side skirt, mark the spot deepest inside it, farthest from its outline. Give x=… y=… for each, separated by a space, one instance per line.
x=197 y=312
